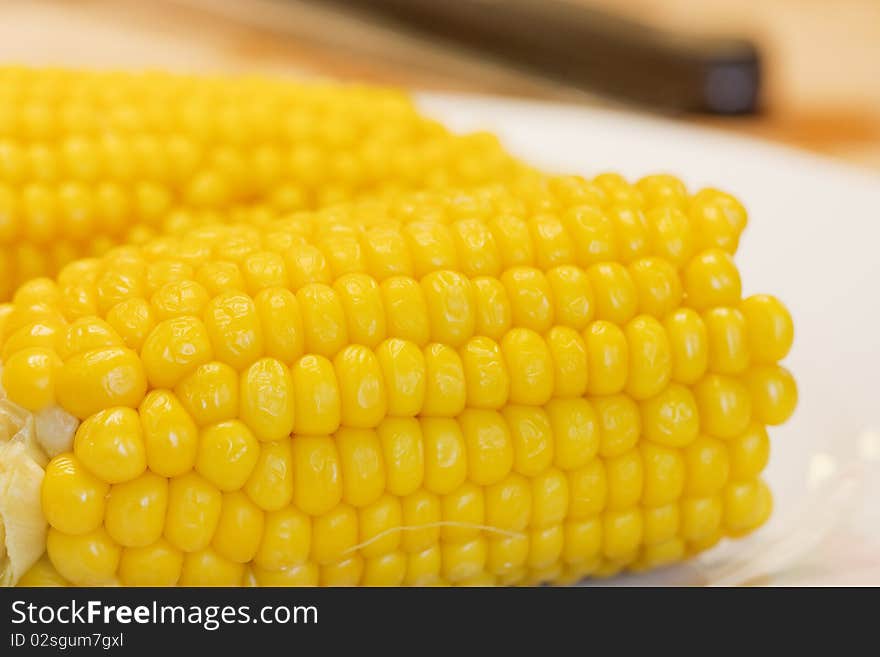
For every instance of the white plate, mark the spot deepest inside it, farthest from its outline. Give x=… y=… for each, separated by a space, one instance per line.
x=813 y=240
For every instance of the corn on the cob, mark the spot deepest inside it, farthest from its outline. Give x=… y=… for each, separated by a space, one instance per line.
x=91 y=159
x=500 y=387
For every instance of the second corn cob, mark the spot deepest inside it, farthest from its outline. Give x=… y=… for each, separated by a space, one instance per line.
x=92 y=159
x=443 y=388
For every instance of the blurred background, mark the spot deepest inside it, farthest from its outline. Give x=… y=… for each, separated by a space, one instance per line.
x=801 y=72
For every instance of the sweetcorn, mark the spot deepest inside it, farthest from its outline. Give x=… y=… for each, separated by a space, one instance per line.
x=529 y=384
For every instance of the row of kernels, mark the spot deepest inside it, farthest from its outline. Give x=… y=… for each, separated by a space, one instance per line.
x=281 y=545
x=360 y=386
x=513 y=455
x=39 y=213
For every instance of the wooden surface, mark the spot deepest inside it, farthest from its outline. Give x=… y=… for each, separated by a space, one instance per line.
x=822 y=56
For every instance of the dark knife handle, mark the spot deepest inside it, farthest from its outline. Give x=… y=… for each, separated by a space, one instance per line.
x=595 y=50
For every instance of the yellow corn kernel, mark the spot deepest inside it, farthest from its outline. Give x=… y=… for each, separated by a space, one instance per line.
x=664 y=475
x=263 y=270
x=324 y=322
x=619 y=424
x=711 y=280
x=317 y=474
x=286 y=540
x=553 y=245
x=446 y=389
x=239 y=528
x=509 y=503
x=724 y=405
x=476 y=248
x=530 y=298
x=46 y=334
x=306 y=574
x=529 y=365
x=207 y=568
x=701 y=517
x=402 y=454
x=607 y=358
x=506 y=554
x=588 y=490
x=347 y=572
x=110 y=445
x=136 y=510
x=625 y=475
x=689 y=343
x=386 y=570
x=661 y=523
x=463 y=561
x=514 y=242
x=545 y=550
x=210 y=393
x=570 y=369
x=270 y=484
x=488 y=445
x=85 y=334
x=748 y=453
x=746 y=506
x=423 y=568
x=532 y=436
x=173 y=349
x=492 y=308
x=769 y=327
x=266 y=395
x=170 y=436
x=773 y=392
x=708 y=466
x=403 y=371
x=405 y=310
x=227 y=454
x=658 y=287
x=574 y=301
x=662 y=190
x=29 y=378
x=159 y=564
x=220 y=276
x=233 y=327
x=306 y=264
x=360 y=458
x=99 y=379
x=672 y=234
x=671 y=418
x=282 y=324
x=575 y=431
x=621 y=533
x=446 y=462
x=380 y=526
x=361 y=387
x=361 y=300
x=582 y=540
x=718 y=218
x=421 y=518
x=193 y=512
x=550 y=498
x=615 y=292
x=728 y=340
x=449 y=300
x=317 y=408
x=334 y=534
x=485 y=373
x=85 y=560
x=593 y=234
x=72 y=498
x=133 y=320
x=650 y=357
